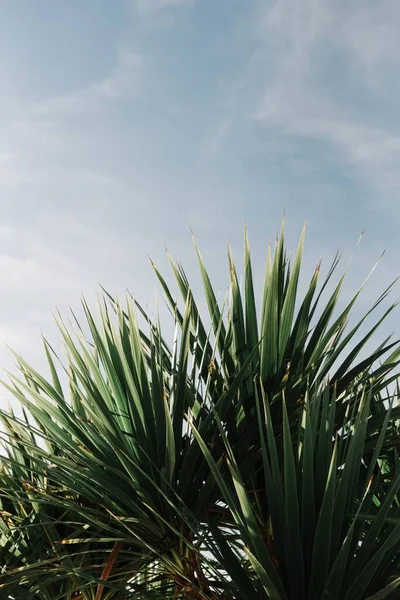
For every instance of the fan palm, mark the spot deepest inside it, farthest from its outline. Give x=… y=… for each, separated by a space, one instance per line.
x=255 y=456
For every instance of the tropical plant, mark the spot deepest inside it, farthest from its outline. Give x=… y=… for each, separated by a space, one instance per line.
x=254 y=457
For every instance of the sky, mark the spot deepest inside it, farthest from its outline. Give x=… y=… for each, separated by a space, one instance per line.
x=124 y=124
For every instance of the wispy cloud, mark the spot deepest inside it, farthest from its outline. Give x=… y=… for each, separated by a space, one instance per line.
x=124 y=79
x=120 y=84
x=330 y=57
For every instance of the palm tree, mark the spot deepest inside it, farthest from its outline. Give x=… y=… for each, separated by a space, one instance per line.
x=254 y=457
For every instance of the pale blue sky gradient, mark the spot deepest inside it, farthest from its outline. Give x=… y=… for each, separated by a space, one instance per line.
x=124 y=123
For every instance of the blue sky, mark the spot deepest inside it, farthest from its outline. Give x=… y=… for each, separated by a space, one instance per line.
x=125 y=123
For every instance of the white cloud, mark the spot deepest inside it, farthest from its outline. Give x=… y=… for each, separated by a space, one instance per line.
x=371 y=32
x=364 y=37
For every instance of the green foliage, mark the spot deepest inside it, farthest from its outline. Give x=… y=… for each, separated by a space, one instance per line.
x=254 y=457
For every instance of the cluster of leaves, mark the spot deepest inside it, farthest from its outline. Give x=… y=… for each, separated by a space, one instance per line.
x=254 y=457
